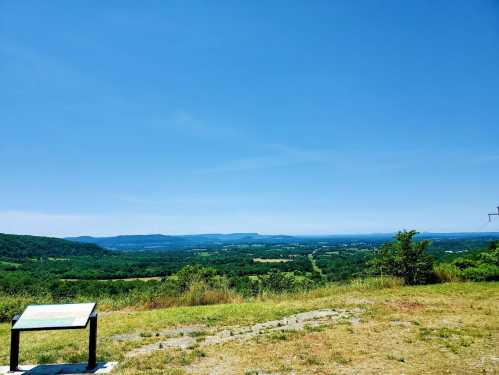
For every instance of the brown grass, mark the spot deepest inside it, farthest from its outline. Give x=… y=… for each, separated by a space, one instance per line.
x=438 y=329
x=416 y=333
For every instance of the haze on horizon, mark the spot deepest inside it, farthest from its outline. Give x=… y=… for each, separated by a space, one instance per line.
x=285 y=118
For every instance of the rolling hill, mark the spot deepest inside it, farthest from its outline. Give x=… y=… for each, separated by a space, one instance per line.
x=23 y=246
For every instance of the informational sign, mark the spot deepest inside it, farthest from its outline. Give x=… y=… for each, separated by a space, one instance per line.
x=74 y=315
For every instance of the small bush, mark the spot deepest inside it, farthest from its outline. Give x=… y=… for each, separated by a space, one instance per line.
x=12 y=305
x=213 y=297
x=482 y=266
x=482 y=272
x=199 y=293
x=194 y=294
x=44 y=358
x=445 y=273
x=380 y=282
x=73 y=357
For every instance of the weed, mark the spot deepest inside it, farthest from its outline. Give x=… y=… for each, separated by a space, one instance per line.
x=313 y=360
x=282 y=335
x=377 y=282
x=393 y=357
x=199 y=333
x=75 y=357
x=320 y=328
x=340 y=359
x=45 y=358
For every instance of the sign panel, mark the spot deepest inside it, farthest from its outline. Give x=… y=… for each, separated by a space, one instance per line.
x=74 y=315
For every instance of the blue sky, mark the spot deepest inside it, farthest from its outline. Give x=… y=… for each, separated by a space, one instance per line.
x=300 y=117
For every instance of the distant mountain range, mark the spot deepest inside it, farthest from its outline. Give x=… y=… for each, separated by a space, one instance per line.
x=178 y=242
x=21 y=246
x=165 y=242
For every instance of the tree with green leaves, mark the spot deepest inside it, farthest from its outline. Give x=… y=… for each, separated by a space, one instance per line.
x=404 y=258
x=193 y=274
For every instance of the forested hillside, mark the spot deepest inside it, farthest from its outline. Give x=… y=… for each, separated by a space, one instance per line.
x=20 y=246
x=46 y=270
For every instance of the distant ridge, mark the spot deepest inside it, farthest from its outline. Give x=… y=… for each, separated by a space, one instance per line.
x=162 y=241
x=177 y=242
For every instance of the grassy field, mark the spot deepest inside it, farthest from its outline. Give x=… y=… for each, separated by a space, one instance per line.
x=437 y=329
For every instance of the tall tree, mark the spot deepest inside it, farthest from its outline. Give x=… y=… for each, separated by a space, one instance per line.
x=405 y=258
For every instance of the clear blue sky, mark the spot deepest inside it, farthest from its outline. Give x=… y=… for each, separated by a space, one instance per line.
x=300 y=117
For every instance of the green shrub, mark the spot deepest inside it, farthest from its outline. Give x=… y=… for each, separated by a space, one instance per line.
x=446 y=272
x=482 y=272
x=404 y=258
x=189 y=275
x=44 y=358
x=11 y=305
x=277 y=282
x=482 y=266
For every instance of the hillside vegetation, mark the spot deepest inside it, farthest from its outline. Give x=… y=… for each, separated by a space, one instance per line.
x=450 y=328
x=21 y=246
x=282 y=315
x=219 y=275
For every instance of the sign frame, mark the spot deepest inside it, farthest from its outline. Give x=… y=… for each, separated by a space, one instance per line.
x=50 y=328
x=92 y=341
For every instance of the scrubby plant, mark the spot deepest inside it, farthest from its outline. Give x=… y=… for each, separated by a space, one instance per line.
x=446 y=272
x=195 y=273
x=481 y=266
x=275 y=281
x=380 y=282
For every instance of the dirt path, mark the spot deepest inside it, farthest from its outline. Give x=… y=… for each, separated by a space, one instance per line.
x=315 y=267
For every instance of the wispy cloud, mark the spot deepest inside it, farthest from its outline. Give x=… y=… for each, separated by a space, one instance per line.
x=192 y=124
x=280 y=156
x=164 y=201
x=346 y=159
x=491 y=158
x=18 y=58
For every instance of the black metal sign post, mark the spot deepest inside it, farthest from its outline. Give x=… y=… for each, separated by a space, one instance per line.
x=92 y=340
x=14 y=346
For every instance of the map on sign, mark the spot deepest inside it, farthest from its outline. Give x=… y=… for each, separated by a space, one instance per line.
x=74 y=315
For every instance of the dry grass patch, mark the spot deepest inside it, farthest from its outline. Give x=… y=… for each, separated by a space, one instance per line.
x=268 y=260
x=437 y=329
x=370 y=347
x=411 y=331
